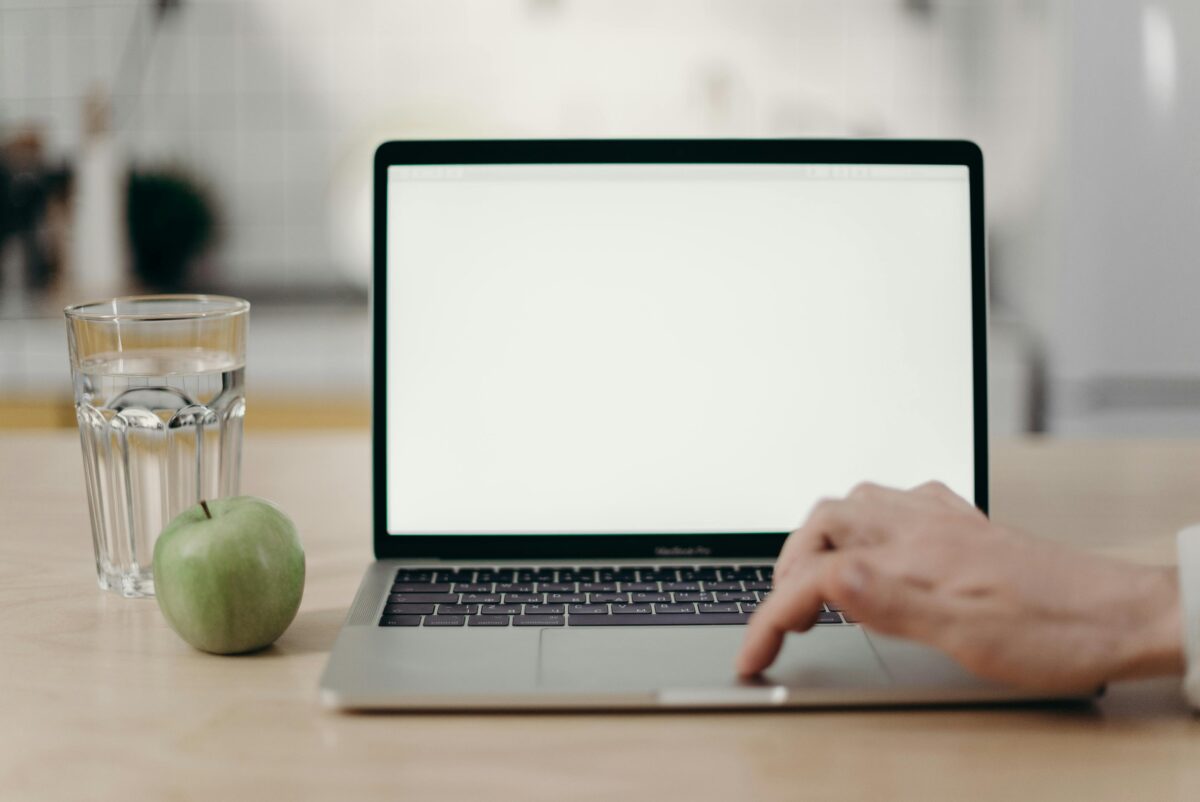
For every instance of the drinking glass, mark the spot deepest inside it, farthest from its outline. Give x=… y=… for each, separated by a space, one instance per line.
x=159 y=398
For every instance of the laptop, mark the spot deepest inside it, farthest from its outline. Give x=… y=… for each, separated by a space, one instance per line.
x=610 y=376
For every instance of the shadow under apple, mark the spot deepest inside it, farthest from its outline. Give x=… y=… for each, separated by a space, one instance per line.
x=311 y=631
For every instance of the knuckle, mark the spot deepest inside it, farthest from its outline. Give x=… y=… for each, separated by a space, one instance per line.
x=847 y=577
x=936 y=490
x=864 y=490
x=823 y=508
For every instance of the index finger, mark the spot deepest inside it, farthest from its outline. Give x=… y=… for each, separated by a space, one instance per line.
x=790 y=608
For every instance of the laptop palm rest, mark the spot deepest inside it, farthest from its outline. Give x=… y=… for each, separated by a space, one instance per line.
x=672 y=659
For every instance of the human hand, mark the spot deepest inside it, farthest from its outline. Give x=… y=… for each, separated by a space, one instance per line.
x=925 y=564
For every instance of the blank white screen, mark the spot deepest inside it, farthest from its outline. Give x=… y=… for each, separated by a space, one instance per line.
x=671 y=348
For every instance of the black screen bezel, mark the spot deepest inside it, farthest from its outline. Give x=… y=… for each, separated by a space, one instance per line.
x=694 y=151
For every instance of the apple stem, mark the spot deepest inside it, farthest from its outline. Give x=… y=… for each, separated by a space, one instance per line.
x=204 y=504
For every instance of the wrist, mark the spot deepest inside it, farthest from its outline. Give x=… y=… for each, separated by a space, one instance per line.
x=1155 y=642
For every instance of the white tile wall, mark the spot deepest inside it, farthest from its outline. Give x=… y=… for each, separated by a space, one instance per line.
x=274 y=101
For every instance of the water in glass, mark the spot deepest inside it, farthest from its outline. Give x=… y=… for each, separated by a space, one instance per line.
x=161 y=429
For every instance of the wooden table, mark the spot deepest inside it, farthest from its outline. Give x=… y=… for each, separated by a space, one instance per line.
x=100 y=700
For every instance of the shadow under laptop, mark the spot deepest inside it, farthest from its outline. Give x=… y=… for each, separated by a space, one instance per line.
x=1067 y=711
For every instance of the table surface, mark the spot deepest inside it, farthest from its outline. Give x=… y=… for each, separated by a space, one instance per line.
x=100 y=700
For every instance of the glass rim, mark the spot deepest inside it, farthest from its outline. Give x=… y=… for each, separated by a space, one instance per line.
x=222 y=306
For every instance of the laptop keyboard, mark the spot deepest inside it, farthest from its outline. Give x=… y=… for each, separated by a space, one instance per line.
x=581 y=597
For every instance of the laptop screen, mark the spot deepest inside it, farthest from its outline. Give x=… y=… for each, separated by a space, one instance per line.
x=671 y=348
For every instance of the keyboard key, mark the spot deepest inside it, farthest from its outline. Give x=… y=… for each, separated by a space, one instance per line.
x=523 y=598
x=473 y=587
x=745 y=574
x=487 y=621
x=404 y=575
x=408 y=609
x=674 y=609
x=492 y=575
x=481 y=598
x=828 y=618
x=546 y=575
x=657 y=575
x=604 y=598
x=632 y=609
x=717 y=607
x=400 y=621
x=697 y=574
x=500 y=609
x=748 y=607
x=725 y=596
x=514 y=587
x=423 y=598
x=577 y=575
x=566 y=598
x=656 y=620
x=457 y=609
x=693 y=597
x=645 y=587
x=556 y=587
x=445 y=620
x=643 y=598
x=409 y=587
x=538 y=621
x=588 y=609
x=758 y=585
x=598 y=587
x=691 y=586
x=544 y=609
x=625 y=575
x=722 y=585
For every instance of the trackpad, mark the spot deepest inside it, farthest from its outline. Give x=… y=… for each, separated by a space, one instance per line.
x=651 y=658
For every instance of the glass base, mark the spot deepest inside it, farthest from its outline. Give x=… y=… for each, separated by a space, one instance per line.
x=136 y=586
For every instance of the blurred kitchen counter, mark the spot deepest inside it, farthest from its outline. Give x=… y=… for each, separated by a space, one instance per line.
x=308 y=365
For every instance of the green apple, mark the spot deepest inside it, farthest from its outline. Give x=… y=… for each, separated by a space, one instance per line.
x=229 y=574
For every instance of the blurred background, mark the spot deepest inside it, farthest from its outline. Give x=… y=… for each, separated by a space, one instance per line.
x=224 y=146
